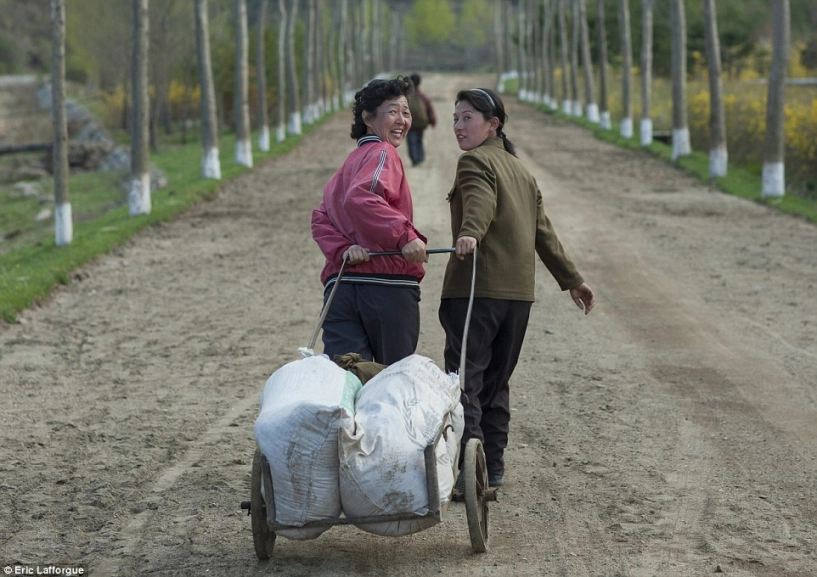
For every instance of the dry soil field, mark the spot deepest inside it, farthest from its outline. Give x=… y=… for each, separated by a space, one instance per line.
x=671 y=433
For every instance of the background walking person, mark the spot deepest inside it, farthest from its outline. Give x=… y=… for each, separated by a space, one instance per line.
x=422 y=116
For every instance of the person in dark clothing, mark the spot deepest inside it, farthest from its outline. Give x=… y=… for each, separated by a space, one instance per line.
x=496 y=207
x=422 y=116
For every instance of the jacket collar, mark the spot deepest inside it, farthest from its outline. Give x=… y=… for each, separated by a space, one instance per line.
x=368 y=138
x=493 y=141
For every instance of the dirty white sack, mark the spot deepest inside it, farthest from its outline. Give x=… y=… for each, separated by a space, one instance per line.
x=382 y=469
x=304 y=405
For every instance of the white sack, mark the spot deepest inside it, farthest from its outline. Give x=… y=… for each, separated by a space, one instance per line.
x=382 y=469
x=303 y=406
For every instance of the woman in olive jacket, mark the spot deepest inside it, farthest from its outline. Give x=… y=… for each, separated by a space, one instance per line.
x=496 y=206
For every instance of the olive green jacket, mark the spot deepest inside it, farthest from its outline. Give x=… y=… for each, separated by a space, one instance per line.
x=497 y=201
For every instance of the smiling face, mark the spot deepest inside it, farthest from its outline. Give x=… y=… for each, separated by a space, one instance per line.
x=470 y=127
x=390 y=121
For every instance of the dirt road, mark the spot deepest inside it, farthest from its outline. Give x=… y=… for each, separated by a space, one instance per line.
x=673 y=432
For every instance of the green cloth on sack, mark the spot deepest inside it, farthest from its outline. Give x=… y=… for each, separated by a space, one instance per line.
x=358 y=366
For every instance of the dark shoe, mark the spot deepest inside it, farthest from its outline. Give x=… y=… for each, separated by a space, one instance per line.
x=459 y=486
x=495 y=480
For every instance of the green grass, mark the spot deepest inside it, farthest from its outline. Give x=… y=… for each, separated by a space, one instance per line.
x=31 y=264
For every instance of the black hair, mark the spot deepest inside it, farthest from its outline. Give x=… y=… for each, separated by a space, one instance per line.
x=375 y=93
x=490 y=105
x=415 y=78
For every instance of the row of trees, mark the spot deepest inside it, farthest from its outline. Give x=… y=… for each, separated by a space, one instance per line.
x=345 y=43
x=553 y=35
x=320 y=51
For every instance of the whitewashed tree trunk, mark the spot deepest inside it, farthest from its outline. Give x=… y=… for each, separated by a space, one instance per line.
x=308 y=113
x=281 y=89
x=293 y=93
x=567 y=105
x=523 y=51
x=604 y=111
x=587 y=65
x=550 y=19
x=243 y=145
x=63 y=223
x=718 y=154
x=680 y=126
x=575 y=32
x=646 y=72
x=626 y=69
x=774 y=170
x=547 y=75
x=499 y=46
x=210 y=162
x=139 y=201
x=261 y=76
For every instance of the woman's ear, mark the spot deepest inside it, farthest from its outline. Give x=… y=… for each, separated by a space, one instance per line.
x=366 y=116
x=495 y=123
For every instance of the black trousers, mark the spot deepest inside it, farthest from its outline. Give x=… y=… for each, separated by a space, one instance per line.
x=495 y=338
x=417 y=152
x=380 y=323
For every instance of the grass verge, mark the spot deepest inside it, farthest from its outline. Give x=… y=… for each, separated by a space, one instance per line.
x=739 y=181
x=31 y=264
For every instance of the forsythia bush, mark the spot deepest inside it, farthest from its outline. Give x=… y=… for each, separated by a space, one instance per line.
x=745 y=116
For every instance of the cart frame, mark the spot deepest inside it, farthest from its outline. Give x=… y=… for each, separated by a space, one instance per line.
x=476 y=492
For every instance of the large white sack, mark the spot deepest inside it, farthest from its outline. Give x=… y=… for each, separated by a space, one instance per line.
x=382 y=469
x=304 y=405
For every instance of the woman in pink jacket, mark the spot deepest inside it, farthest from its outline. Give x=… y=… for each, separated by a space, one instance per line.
x=366 y=207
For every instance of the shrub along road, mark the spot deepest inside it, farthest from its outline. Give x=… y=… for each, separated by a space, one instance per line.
x=672 y=432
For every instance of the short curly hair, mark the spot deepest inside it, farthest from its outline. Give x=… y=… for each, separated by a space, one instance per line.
x=375 y=93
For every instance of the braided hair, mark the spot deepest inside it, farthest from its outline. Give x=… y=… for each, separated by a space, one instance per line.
x=490 y=105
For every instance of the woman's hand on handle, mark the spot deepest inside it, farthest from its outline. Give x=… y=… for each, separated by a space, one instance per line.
x=415 y=251
x=356 y=254
x=465 y=246
x=584 y=298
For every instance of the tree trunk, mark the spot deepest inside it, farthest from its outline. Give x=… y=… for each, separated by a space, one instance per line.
x=554 y=102
x=774 y=181
x=646 y=72
x=718 y=154
x=139 y=195
x=680 y=126
x=547 y=75
x=281 y=88
x=63 y=223
x=308 y=113
x=563 y=41
x=587 y=65
x=626 y=69
x=575 y=31
x=243 y=145
x=499 y=45
x=523 y=51
x=293 y=94
x=261 y=75
x=604 y=111
x=533 y=30
x=210 y=162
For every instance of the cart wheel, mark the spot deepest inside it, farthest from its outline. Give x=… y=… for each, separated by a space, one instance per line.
x=263 y=538
x=476 y=484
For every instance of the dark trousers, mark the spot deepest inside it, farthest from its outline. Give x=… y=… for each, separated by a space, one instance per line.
x=380 y=323
x=495 y=338
x=415 y=146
